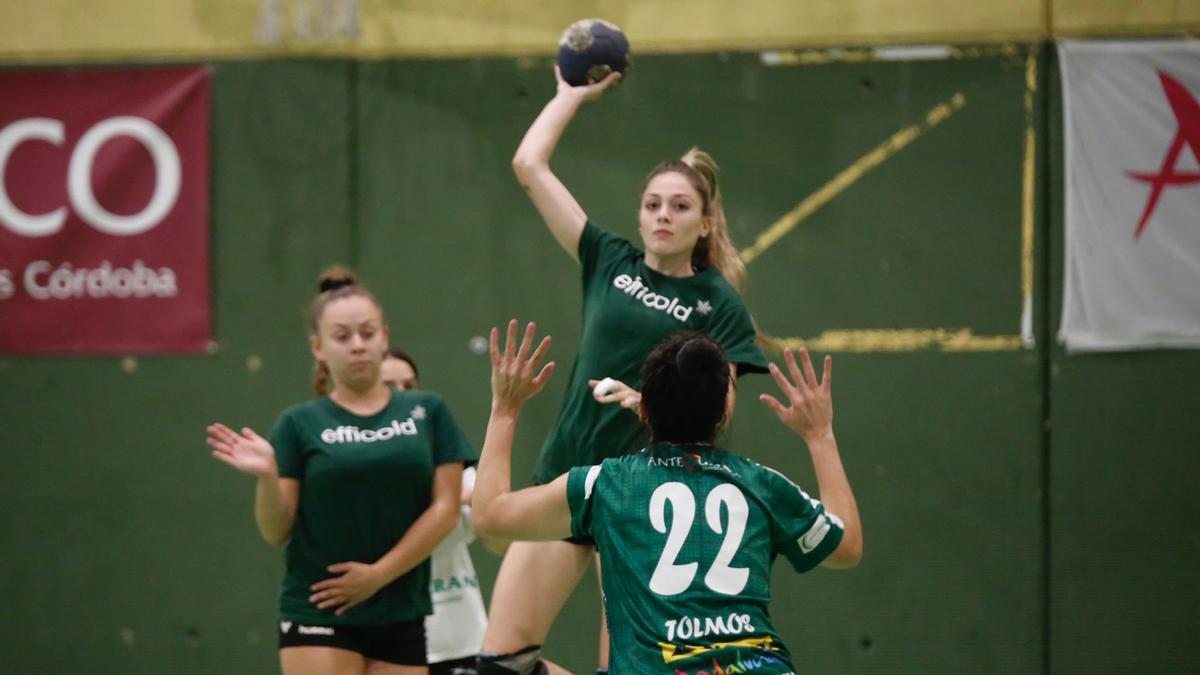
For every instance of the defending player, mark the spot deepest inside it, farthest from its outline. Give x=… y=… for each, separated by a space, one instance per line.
x=687 y=532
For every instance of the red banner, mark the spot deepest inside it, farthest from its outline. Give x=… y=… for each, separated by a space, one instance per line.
x=104 y=240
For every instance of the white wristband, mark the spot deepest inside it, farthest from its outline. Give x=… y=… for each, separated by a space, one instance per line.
x=605 y=387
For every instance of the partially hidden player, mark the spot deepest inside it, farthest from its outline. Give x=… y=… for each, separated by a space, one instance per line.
x=454 y=632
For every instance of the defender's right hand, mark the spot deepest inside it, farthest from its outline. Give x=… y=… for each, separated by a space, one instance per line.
x=810 y=409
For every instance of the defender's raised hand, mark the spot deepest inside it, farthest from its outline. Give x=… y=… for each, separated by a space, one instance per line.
x=515 y=374
x=810 y=404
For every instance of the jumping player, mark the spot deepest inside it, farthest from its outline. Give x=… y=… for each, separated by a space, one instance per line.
x=686 y=275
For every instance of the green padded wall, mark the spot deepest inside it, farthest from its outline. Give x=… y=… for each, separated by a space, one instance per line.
x=129 y=550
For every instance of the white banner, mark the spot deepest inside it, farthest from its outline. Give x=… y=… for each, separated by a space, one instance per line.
x=1131 y=116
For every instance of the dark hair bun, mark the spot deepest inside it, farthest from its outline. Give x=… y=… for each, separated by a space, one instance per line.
x=335 y=278
x=699 y=357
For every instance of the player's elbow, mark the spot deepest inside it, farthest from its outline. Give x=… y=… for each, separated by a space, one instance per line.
x=484 y=520
x=493 y=544
x=847 y=555
x=522 y=166
x=526 y=166
x=275 y=536
x=275 y=529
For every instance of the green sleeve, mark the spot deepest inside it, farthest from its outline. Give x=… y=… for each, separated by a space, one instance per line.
x=803 y=531
x=581 y=483
x=289 y=453
x=734 y=329
x=449 y=442
x=598 y=248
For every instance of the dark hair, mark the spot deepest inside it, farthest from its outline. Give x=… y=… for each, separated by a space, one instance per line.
x=397 y=353
x=685 y=382
x=335 y=283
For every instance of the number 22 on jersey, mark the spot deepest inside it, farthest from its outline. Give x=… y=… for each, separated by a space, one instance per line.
x=670 y=578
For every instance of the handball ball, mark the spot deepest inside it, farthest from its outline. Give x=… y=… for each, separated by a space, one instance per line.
x=590 y=49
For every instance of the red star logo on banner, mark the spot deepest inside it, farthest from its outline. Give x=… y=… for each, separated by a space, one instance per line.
x=1187 y=114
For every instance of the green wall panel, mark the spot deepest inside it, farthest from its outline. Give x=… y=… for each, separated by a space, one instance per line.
x=125 y=541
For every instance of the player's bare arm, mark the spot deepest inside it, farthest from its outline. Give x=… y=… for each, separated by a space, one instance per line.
x=810 y=413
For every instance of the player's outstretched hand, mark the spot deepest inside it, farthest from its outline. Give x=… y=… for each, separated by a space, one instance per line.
x=588 y=92
x=515 y=374
x=810 y=404
x=609 y=390
x=246 y=452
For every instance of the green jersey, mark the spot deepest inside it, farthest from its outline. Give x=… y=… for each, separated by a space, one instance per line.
x=628 y=309
x=363 y=482
x=687 y=535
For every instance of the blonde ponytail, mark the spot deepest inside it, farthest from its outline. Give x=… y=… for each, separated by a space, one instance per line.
x=717 y=249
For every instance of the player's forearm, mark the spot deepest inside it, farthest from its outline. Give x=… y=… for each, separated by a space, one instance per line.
x=272 y=513
x=494 y=474
x=543 y=135
x=836 y=494
x=419 y=541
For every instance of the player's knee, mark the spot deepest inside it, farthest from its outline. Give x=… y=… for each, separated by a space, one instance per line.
x=527 y=661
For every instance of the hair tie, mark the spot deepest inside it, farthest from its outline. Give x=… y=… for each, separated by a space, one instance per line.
x=333 y=284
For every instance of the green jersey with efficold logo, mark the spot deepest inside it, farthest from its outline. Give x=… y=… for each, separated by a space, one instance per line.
x=628 y=309
x=687 y=535
x=363 y=482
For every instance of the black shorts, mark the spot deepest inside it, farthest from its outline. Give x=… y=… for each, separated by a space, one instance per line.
x=399 y=643
x=463 y=666
x=585 y=540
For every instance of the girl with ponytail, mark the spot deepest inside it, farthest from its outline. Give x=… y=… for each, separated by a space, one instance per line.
x=683 y=274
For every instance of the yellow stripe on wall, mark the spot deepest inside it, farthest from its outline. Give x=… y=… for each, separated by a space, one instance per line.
x=1084 y=18
x=64 y=30
x=899 y=340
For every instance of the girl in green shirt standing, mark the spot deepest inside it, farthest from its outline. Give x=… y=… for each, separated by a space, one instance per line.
x=360 y=485
x=686 y=275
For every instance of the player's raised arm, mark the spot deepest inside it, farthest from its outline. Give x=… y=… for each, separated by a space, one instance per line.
x=563 y=215
x=539 y=512
x=810 y=413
